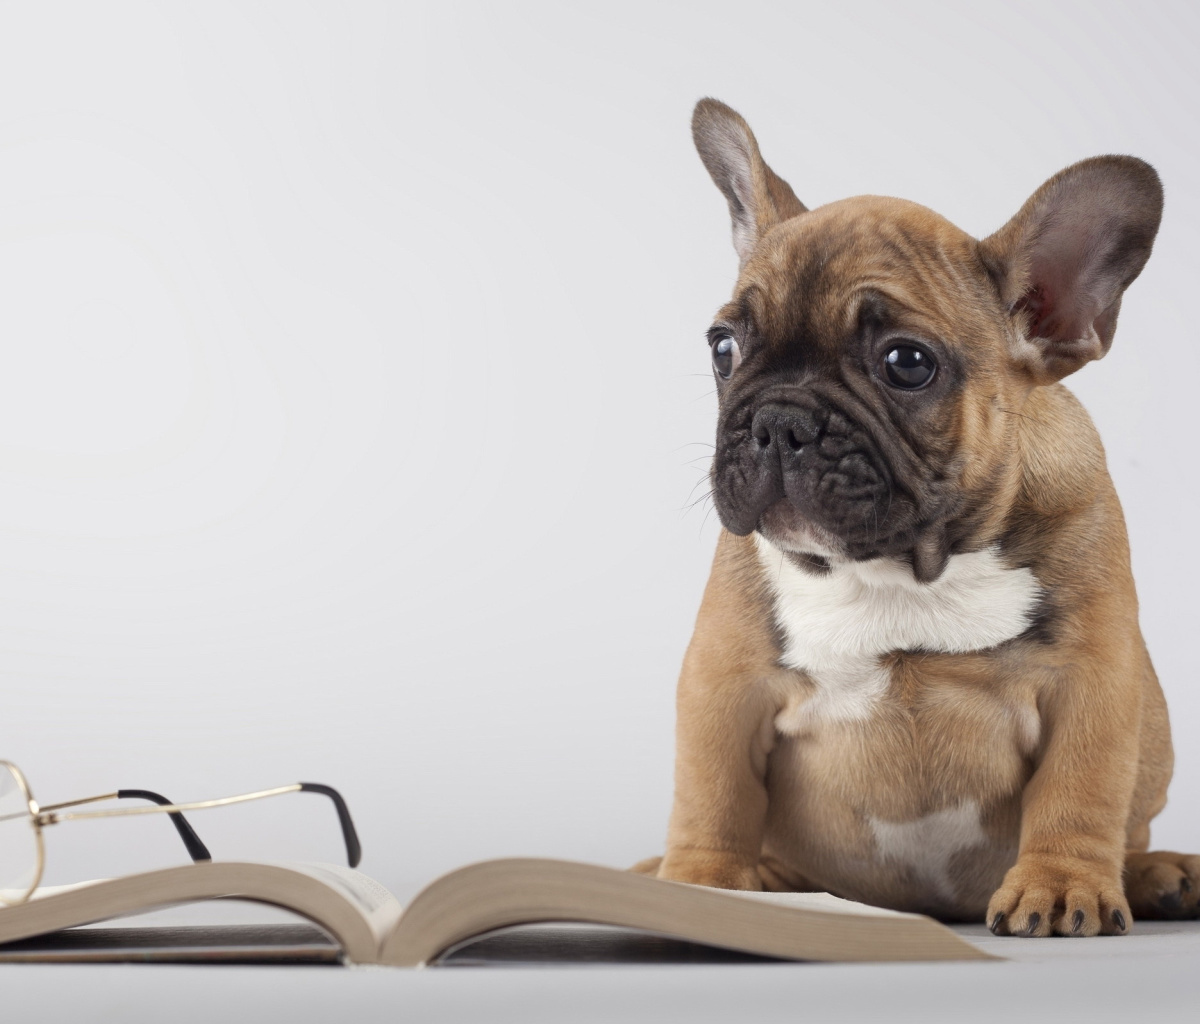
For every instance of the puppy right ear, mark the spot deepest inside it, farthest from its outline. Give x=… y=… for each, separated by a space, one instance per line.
x=758 y=198
x=1064 y=261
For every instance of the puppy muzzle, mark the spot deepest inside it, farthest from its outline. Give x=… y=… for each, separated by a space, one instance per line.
x=815 y=460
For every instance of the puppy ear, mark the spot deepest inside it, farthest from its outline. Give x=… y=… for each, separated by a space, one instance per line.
x=1063 y=262
x=758 y=197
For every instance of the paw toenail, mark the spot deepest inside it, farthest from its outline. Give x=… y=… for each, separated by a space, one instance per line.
x=1118 y=919
x=1077 y=922
x=997 y=921
x=1034 y=920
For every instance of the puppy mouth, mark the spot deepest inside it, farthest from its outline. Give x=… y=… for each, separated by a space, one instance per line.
x=811 y=476
x=839 y=506
x=785 y=527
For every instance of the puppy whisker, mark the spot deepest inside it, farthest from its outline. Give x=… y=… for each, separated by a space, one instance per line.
x=1024 y=416
x=703 y=480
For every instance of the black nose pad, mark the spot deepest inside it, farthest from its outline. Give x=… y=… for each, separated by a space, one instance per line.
x=789 y=427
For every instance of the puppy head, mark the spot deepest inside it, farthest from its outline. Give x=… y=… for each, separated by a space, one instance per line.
x=873 y=360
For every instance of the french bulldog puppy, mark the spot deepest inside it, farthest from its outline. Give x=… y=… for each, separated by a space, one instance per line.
x=917 y=677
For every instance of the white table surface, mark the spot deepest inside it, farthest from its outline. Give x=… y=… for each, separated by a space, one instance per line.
x=1152 y=975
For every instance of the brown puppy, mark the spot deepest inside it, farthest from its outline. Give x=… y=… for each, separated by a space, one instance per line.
x=917 y=677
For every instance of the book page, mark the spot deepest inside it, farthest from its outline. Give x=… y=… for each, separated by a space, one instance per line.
x=9 y=896
x=380 y=908
x=822 y=901
x=483 y=898
x=357 y=911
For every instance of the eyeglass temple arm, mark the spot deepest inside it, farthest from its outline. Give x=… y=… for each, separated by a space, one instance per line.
x=49 y=814
x=195 y=848
x=349 y=833
x=199 y=851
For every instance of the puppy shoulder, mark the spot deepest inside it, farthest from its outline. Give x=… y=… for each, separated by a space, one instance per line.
x=735 y=627
x=1067 y=523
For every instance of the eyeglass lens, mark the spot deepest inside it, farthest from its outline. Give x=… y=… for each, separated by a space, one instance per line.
x=19 y=857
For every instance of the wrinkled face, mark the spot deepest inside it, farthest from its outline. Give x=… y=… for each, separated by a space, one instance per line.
x=864 y=388
x=874 y=360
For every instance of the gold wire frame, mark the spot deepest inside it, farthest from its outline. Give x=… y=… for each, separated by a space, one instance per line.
x=50 y=815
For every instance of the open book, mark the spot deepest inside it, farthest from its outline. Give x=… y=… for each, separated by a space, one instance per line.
x=368 y=926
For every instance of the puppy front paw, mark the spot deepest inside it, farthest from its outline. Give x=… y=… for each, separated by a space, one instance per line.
x=716 y=868
x=1059 y=895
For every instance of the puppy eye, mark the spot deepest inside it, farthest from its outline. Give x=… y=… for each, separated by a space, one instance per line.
x=908 y=367
x=725 y=355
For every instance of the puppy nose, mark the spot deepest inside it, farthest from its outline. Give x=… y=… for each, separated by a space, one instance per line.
x=788 y=427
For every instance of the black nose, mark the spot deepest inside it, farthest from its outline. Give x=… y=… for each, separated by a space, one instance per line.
x=788 y=427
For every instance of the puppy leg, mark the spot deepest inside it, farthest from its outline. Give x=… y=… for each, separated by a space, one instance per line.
x=722 y=740
x=726 y=704
x=1068 y=875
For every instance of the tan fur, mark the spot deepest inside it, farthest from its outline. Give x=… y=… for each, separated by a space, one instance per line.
x=1064 y=746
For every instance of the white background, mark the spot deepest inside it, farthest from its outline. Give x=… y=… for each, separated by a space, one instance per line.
x=354 y=385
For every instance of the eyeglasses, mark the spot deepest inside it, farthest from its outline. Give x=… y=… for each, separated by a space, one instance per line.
x=22 y=850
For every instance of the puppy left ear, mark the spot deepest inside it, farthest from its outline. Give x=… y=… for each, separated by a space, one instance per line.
x=1063 y=263
x=758 y=198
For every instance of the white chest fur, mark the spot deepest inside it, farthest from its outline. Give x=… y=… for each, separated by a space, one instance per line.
x=927 y=845
x=837 y=626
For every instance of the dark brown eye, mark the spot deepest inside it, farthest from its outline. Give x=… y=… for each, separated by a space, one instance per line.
x=908 y=367
x=725 y=355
